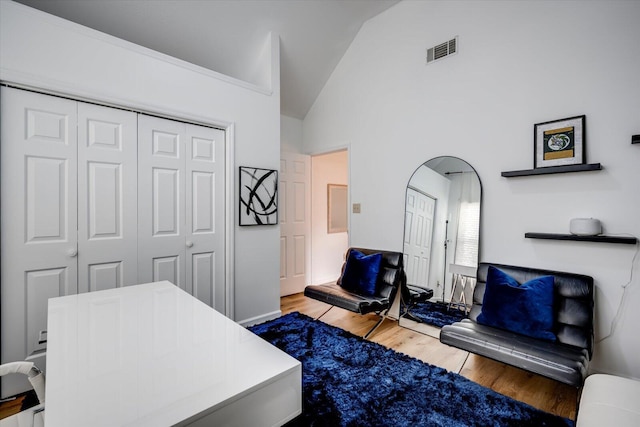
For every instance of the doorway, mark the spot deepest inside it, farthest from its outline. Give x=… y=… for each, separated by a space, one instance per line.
x=311 y=252
x=328 y=245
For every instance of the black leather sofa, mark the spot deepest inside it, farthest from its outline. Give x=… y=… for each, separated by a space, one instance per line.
x=390 y=278
x=566 y=359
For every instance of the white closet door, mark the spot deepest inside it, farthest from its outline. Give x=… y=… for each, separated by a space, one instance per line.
x=181 y=207
x=161 y=204
x=39 y=220
x=204 y=232
x=107 y=198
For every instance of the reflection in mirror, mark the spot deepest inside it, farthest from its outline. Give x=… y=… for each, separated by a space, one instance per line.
x=441 y=241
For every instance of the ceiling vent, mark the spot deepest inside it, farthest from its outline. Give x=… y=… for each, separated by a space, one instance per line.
x=442 y=50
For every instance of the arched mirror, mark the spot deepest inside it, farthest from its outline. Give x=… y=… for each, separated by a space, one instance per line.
x=441 y=242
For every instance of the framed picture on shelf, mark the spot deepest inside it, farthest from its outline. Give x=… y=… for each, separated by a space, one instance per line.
x=559 y=142
x=258 y=196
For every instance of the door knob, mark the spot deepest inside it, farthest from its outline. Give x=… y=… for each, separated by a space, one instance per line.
x=189 y=243
x=72 y=252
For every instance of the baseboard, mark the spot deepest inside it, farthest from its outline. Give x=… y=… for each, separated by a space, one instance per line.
x=260 y=319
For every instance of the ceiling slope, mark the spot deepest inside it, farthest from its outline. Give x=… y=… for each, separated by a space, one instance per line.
x=227 y=36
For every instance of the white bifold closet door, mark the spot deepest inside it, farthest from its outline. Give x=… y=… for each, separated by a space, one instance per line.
x=95 y=198
x=68 y=212
x=107 y=198
x=180 y=192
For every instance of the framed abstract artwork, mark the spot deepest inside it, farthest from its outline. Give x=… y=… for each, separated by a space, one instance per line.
x=258 y=196
x=559 y=142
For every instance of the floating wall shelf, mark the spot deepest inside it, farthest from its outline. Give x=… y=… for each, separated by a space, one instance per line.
x=599 y=238
x=554 y=169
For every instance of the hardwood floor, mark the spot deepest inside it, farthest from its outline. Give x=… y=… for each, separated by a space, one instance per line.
x=540 y=392
x=12 y=407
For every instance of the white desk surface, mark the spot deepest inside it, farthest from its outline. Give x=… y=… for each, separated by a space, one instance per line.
x=153 y=355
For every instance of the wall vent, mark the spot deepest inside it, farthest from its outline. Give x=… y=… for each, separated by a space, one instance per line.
x=442 y=50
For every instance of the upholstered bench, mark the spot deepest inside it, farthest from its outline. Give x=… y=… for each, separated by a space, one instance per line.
x=608 y=400
x=561 y=353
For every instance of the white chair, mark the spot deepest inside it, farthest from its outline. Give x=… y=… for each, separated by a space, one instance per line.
x=462 y=276
x=32 y=417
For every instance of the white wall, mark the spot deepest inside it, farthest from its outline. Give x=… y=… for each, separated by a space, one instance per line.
x=290 y=134
x=519 y=63
x=327 y=250
x=42 y=51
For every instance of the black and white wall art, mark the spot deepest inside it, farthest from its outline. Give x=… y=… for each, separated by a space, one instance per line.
x=258 y=196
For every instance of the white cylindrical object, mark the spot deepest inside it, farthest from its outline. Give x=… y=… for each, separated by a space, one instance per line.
x=585 y=227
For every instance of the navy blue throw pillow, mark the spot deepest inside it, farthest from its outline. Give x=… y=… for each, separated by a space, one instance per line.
x=526 y=309
x=361 y=272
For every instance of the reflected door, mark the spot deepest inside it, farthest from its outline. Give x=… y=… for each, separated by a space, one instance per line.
x=418 y=233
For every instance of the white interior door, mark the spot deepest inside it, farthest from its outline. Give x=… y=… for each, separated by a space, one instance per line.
x=181 y=207
x=418 y=232
x=295 y=222
x=205 y=219
x=161 y=206
x=107 y=198
x=39 y=220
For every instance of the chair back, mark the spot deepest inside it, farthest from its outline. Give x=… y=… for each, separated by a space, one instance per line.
x=391 y=275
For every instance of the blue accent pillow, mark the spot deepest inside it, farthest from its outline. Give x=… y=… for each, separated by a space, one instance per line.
x=361 y=272
x=526 y=309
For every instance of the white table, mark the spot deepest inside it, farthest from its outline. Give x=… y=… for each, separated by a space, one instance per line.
x=152 y=355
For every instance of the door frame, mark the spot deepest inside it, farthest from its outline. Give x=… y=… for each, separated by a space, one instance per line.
x=60 y=90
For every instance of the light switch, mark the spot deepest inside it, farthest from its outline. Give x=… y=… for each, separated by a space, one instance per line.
x=356 y=208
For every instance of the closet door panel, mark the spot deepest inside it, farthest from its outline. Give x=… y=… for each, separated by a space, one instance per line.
x=165 y=189
x=161 y=203
x=205 y=214
x=107 y=275
x=38 y=241
x=107 y=198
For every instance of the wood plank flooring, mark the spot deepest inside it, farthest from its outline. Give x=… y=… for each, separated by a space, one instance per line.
x=540 y=392
x=12 y=407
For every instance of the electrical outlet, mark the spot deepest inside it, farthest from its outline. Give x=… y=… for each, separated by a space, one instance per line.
x=356 y=208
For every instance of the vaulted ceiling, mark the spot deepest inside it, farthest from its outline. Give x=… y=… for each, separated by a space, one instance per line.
x=228 y=35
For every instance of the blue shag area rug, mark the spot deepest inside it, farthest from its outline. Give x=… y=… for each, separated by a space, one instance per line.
x=348 y=381
x=436 y=314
